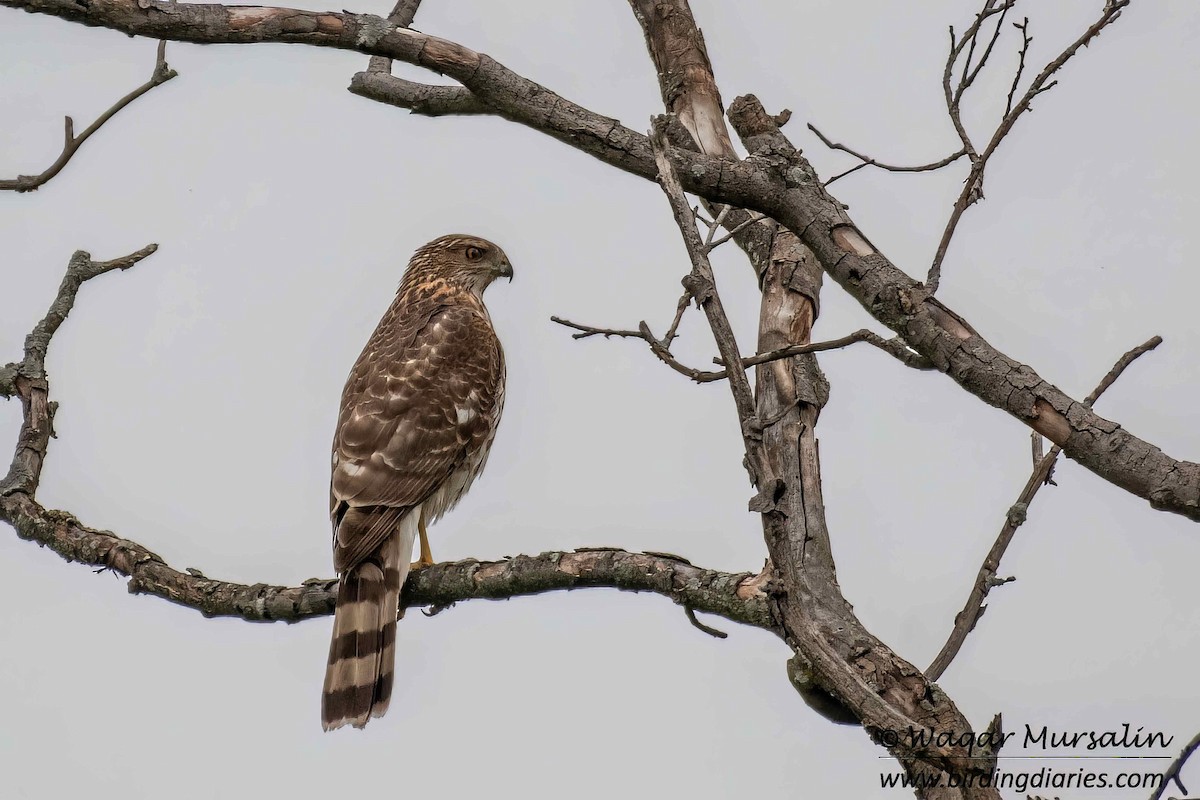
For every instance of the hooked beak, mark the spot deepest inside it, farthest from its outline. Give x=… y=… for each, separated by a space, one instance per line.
x=506 y=270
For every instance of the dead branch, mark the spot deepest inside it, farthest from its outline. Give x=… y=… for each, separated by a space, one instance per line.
x=780 y=184
x=661 y=348
x=867 y=161
x=26 y=378
x=71 y=143
x=985 y=580
x=972 y=190
x=440 y=585
x=419 y=98
x=702 y=284
x=403 y=14
x=1172 y=773
x=894 y=347
x=711 y=631
x=733 y=596
x=1026 y=40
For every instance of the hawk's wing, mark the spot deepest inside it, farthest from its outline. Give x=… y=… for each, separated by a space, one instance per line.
x=420 y=399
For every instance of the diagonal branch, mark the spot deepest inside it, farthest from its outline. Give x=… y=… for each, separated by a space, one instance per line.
x=1172 y=773
x=965 y=620
x=71 y=144
x=972 y=190
x=702 y=285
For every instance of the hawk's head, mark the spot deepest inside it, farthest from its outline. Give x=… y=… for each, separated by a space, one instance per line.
x=469 y=262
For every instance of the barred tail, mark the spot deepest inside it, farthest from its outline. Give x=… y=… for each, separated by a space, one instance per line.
x=362 y=653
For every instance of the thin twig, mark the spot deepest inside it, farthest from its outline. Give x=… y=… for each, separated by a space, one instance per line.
x=894 y=347
x=685 y=300
x=1026 y=40
x=867 y=161
x=71 y=143
x=691 y=615
x=752 y=219
x=1118 y=368
x=1172 y=773
x=986 y=578
x=970 y=75
x=972 y=190
x=588 y=330
x=701 y=282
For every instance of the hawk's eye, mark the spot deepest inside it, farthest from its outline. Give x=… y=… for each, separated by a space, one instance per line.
x=474 y=254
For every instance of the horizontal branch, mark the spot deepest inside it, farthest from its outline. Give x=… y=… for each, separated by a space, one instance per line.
x=71 y=144
x=867 y=161
x=736 y=597
x=775 y=180
x=660 y=347
x=419 y=98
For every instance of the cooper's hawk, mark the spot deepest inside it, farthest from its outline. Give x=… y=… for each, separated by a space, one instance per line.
x=418 y=415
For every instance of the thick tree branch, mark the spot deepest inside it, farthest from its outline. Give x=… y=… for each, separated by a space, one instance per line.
x=419 y=98
x=71 y=144
x=776 y=181
x=736 y=597
x=985 y=580
x=403 y=14
x=843 y=663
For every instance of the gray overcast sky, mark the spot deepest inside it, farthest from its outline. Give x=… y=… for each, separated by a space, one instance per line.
x=198 y=394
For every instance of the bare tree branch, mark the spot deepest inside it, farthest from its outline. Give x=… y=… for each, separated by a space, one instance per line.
x=985 y=580
x=403 y=14
x=419 y=98
x=894 y=347
x=71 y=143
x=1172 y=773
x=1026 y=40
x=26 y=378
x=779 y=182
x=867 y=161
x=702 y=285
x=737 y=597
x=732 y=596
x=972 y=190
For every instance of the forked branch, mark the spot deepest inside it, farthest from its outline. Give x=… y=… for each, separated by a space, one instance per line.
x=71 y=143
x=987 y=578
x=972 y=190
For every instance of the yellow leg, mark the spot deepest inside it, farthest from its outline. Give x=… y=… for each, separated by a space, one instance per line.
x=426 y=557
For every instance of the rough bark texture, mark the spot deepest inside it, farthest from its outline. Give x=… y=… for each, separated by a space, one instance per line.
x=776 y=180
x=841 y=670
x=737 y=597
x=734 y=596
